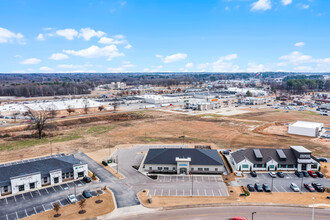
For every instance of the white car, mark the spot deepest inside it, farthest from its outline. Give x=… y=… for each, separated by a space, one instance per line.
x=72 y=198
x=294 y=187
x=272 y=174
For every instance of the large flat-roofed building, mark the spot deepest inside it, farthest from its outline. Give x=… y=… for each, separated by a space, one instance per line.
x=306 y=128
x=263 y=159
x=36 y=173
x=183 y=161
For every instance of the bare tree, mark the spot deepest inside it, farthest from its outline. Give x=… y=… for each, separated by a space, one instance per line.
x=101 y=108
x=82 y=204
x=52 y=112
x=85 y=105
x=38 y=120
x=70 y=110
x=56 y=209
x=15 y=115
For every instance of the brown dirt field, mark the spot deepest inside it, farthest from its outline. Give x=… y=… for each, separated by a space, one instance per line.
x=155 y=127
x=71 y=211
x=325 y=169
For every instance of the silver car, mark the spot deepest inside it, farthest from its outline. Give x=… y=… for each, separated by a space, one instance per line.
x=294 y=187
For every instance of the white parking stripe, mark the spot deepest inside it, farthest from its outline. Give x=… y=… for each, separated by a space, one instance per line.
x=35 y=209
x=155 y=192
x=43 y=207
x=176 y=192
x=23 y=196
x=26 y=213
x=169 y=192
x=205 y=191
x=61 y=187
x=31 y=194
x=183 y=192
x=16 y=215
x=15 y=199
x=6 y=201
x=284 y=189
x=198 y=192
x=212 y=192
x=161 y=194
x=54 y=189
x=219 y=192
x=276 y=189
x=7 y=216
x=46 y=190
x=60 y=202
x=39 y=192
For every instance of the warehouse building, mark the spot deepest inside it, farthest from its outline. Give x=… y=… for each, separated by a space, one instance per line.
x=263 y=159
x=183 y=161
x=306 y=128
x=36 y=173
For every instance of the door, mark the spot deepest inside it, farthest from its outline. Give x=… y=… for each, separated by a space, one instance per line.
x=56 y=180
x=183 y=170
x=303 y=166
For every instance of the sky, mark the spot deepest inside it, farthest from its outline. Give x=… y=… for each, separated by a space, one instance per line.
x=46 y=36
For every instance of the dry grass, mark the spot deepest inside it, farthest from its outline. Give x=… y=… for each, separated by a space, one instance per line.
x=71 y=211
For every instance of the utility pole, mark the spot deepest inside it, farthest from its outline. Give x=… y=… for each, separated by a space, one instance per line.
x=313 y=208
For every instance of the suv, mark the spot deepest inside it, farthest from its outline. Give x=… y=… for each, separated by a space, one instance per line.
x=312 y=174
x=319 y=174
x=294 y=187
x=305 y=174
x=318 y=187
x=272 y=174
x=309 y=187
x=298 y=174
x=86 y=194
x=250 y=187
x=258 y=187
x=280 y=174
x=87 y=179
x=266 y=187
x=323 y=160
x=253 y=174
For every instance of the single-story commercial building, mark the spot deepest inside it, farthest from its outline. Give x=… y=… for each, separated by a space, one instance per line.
x=183 y=161
x=33 y=174
x=306 y=128
x=263 y=159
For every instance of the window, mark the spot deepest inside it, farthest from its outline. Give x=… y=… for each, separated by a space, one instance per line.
x=216 y=169
x=63 y=175
x=159 y=168
x=200 y=169
x=192 y=169
x=245 y=166
x=81 y=174
x=21 y=188
x=314 y=166
x=206 y=169
x=271 y=166
x=32 y=185
x=173 y=168
x=67 y=175
x=71 y=174
x=165 y=168
x=5 y=188
x=150 y=168
x=45 y=179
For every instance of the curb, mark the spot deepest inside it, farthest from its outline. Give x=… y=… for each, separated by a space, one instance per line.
x=114 y=198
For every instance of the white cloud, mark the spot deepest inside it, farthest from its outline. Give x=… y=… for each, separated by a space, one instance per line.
x=88 y=33
x=68 y=33
x=107 y=40
x=253 y=67
x=72 y=66
x=299 y=44
x=40 y=37
x=31 y=61
x=110 y=51
x=6 y=36
x=261 y=5
x=172 y=58
x=116 y=69
x=58 y=56
x=189 y=65
x=128 y=46
x=223 y=64
x=46 y=69
x=286 y=2
x=305 y=6
x=127 y=64
x=296 y=58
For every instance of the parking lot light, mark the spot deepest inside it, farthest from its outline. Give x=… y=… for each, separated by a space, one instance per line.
x=313 y=209
x=301 y=187
x=253 y=214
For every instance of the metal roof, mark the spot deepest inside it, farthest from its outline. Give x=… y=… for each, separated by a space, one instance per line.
x=307 y=124
x=198 y=156
x=301 y=149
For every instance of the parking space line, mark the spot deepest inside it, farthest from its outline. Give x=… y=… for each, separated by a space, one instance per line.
x=176 y=178
x=52 y=205
x=208 y=177
x=170 y=178
x=183 y=192
x=176 y=193
x=61 y=187
x=155 y=192
x=15 y=199
x=7 y=216
x=23 y=196
x=205 y=191
x=161 y=194
x=169 y=192
x=276 y=189
x=81 y=182
x=16 y=215
x=31 y=194
x=60 y=202
x=35 y=209
x=26 y=213
x=43 y=207
x=198 y=192
x=54 y=189
x=212 y=192
x=39 y=192
x=6 y=201
x=284 y=189
x=46 y=190
x=219 y=192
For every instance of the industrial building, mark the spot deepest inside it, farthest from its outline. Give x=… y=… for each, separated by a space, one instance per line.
x=306 y=128
x=263 y=159
x=159 y=99
x=28 y=175
x=183 y=161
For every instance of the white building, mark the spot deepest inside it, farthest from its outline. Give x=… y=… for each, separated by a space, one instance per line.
x=306 y=128
x=159 y=99
x=28 y=175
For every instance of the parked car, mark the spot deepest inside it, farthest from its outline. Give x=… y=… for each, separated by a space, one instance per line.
x=305 y=174
x=72 y=198
x=280 y=174
x=238 y=218
x=323 y=160
x=86 y=194
x=87 y=179
x=272 y=174
x=250 y=188
x=298 y=174
x=253 y=174
x=294 y=187
x=318 y=187
x=319 y=174
x=63 y=116
x=227 y=152
x=312 y=174
x=266 y=187
x=309 y=187
x=258 y=187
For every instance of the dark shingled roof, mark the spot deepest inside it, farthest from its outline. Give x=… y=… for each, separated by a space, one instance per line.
x=267 y=155
x=168 y=155
x=44 y=166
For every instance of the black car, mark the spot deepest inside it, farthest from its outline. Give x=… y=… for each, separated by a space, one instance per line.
x=86 y=194
x=266 y=187
x=319 y=174
x=250 y=188
x=323 y=160
x=87 y=179
x=305 y=173
x=280 y=174
x=258 y=187
x=298 y=174
x=318 y=187
x=253 y=174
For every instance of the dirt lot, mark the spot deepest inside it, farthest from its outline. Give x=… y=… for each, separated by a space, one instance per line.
x=71 y=211
x=95 y=133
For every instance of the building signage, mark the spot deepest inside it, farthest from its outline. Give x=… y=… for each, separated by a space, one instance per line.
x=183 y=165
x=79 y=167
x=305 y=156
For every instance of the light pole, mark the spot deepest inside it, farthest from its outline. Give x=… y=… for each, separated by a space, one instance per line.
x=313 y=208
x=272 y=185
x=192 y=184
x=75 y=190
x=302 y=180
x=117 y=161
x=253 y=214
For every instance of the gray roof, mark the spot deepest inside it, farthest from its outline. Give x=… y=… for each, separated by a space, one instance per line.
x=44 y=166
x=168 y=155
x=267 y=155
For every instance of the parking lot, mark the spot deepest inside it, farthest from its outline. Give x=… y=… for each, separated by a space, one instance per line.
x=281 y=184
x=30 y=203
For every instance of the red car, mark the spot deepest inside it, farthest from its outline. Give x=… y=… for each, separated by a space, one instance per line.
x=309 y=187
x=312 y=174
x=238 y=218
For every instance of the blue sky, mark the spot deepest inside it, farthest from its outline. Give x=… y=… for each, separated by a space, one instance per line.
x=165 y=35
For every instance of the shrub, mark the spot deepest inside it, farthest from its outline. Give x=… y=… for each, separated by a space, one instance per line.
x=104 y=163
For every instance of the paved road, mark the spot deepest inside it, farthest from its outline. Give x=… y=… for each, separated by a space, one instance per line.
x=226 y=212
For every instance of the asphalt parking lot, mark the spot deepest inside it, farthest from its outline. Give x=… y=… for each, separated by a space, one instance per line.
x=281 y=184
x=210 y=185
x=31 y=203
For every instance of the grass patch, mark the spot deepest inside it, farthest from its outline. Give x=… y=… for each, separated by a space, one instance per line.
x=100 y=129
x=309 y=113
